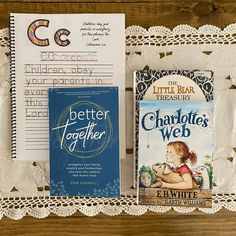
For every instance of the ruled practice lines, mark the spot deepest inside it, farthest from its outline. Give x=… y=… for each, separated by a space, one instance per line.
x=57 y=69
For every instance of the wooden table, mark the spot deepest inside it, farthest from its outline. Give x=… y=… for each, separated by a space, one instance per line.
x=145 y=13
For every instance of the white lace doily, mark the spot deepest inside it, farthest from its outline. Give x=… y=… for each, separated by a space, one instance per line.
x=24 y=186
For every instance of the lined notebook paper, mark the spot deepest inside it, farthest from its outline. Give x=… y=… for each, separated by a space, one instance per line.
x=55 y=51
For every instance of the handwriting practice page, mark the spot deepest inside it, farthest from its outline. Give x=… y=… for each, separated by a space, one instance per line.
x=56 y=51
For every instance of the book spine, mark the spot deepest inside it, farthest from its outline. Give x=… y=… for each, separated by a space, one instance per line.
x=13 y=86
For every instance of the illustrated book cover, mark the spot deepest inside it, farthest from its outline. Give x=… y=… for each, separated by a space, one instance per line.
x=169 y=85
x=84 y=142
x=175 y=153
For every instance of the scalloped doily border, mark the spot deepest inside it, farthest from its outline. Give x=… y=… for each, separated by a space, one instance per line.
x=136 y=30
x=92 y=209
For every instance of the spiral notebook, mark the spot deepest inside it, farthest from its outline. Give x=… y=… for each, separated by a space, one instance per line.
x=54 y=51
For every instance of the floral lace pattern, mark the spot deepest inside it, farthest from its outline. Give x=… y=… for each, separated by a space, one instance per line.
x=24 y=187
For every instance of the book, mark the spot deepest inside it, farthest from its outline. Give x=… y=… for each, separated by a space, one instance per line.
x=175 y=153
x=56 y=51
x=84 y=142
x=169 y=85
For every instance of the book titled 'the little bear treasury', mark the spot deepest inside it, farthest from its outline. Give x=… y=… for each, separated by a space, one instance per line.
x=84 y=142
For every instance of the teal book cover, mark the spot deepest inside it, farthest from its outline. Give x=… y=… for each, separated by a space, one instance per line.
x=84 y=142
x=175 y=153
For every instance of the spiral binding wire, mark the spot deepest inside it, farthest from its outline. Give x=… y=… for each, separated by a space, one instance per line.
x=13 y=86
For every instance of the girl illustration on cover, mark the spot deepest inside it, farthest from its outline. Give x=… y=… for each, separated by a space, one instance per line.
x=178 y=154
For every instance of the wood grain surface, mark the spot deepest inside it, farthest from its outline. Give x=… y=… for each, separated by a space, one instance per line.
x=145 y=13
x=169 y=224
